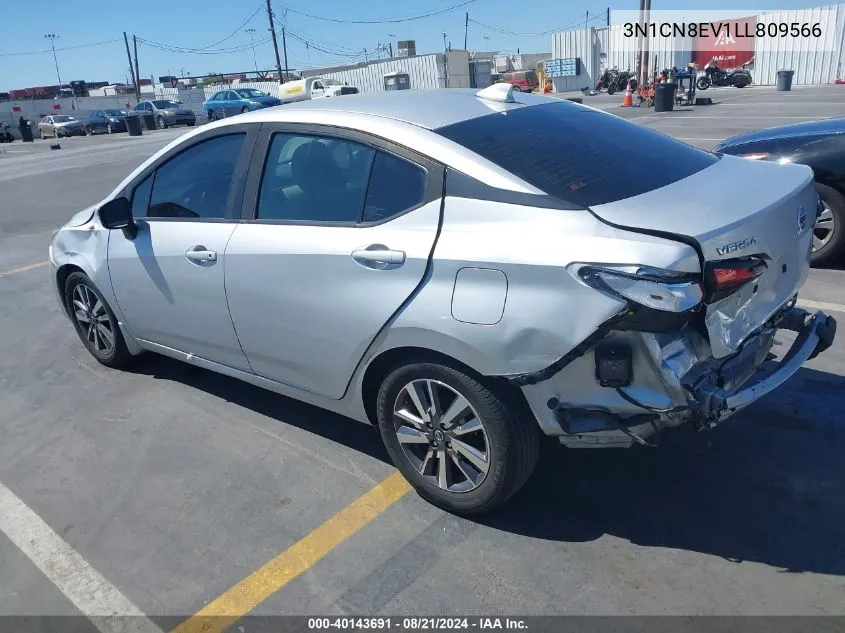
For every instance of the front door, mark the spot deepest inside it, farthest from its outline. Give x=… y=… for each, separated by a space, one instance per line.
x=339 y=239
x=169 y=279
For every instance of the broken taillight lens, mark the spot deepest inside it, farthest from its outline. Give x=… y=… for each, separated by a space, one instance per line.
x=726 y=277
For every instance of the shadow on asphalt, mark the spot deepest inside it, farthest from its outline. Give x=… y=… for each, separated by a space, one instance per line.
x=768 y=486
x=287 y=411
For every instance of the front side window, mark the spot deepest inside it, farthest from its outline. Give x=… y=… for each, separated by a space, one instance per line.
x=139 y=107
x=195 y=184
x=314 y=179
x=395 y=186
x=217 y=97
x=163 y=104
x=586 y=158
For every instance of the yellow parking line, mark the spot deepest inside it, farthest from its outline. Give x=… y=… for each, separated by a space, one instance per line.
x=242 y=598
x=22 y=269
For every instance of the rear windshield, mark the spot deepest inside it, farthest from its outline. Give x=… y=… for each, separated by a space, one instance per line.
x=579 y=155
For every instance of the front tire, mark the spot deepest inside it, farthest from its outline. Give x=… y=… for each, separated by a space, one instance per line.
x=702 y=83
x=461 y=445
x=94 y=321
x=829 y=231
x=162 y=124
x=244 y=110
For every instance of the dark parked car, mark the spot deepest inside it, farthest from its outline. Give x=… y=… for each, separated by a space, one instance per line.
x=108 y=121
x=167 y=112
x=821 y=146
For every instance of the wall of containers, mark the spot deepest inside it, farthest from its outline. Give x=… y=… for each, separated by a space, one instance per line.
x=600 y=48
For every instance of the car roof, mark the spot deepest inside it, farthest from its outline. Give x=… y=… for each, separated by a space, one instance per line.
x=429 y=109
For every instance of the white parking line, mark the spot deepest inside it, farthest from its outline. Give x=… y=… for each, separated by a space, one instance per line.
x=821 y=305
x=110 y=611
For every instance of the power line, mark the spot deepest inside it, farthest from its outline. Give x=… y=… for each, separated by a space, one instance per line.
x=199 y=51
x=389 y=21
x=235 y=32
x=65 y=48
x=577 y=22
x=337 y=52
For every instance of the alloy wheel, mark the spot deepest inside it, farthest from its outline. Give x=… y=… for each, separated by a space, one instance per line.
x=93 y=319
x=441 y=435
x=823 y=230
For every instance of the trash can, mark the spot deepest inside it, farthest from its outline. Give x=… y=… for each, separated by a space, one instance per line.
x=785 y=80
x=26 y=133
x=664 y=97
x=149 y=121
x=133 y=125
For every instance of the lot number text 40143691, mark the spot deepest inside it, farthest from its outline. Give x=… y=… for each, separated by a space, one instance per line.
x=416 y=623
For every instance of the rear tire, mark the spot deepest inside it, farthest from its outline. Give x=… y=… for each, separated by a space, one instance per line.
x=94 y=321
x=478 y=460
x=830 y=228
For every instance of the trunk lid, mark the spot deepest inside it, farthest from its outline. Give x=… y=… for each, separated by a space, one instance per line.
x=735 y=208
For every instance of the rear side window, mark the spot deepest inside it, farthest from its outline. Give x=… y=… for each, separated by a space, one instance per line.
x=395 y=186
x=585 y=157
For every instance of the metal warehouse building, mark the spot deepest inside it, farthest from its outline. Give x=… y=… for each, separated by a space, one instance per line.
x=600 y=48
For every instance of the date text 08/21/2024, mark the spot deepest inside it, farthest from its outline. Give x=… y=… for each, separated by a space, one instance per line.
x=416 y=623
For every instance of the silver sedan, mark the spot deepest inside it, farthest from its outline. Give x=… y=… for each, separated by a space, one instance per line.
x=408 y=260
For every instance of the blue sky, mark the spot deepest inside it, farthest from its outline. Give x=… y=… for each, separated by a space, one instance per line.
x=191 y=24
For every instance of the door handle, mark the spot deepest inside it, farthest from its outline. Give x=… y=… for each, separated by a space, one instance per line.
x=378 y=255
x=201 y=255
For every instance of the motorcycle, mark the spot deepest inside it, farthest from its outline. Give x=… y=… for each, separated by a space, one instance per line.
x=613 y=80
x=5 y=135
x=715 y=76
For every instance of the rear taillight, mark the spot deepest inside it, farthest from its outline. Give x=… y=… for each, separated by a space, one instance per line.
x=726 y=277
x=662 y=290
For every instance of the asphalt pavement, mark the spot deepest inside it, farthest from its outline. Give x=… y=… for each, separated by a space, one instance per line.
x=173 y=490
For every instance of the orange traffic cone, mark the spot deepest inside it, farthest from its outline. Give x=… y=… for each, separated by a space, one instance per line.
x=628 y=100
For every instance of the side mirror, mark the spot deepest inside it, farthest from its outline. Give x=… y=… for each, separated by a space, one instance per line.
x=117 y=214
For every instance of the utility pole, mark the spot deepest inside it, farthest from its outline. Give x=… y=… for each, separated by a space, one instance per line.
x=53 y=37
x=587 y=20
x=275 y=43
x=137 y=72
x=466 y=30
x=131 y=67
x=252 y=41
x=392 y=36
x=307 y=54
x=285 y=49
x=608 y=16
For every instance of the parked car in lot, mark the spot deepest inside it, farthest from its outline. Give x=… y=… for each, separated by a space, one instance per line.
x=821 y=146
x=106 y=121
x=167 y=112
x=237 y=101
x=400 y=259
x=60 y=125
x=524 y=80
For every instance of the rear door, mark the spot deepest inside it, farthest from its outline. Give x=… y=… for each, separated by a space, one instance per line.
x=337 y=233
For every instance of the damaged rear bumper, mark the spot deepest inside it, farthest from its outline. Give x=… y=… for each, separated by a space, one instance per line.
x=815 y=334
x=676 y=380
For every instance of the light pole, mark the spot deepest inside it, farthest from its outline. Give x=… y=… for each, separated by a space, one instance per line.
x=251 y=31
x=53 y=37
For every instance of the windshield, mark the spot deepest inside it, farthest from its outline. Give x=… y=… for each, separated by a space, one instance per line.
x=167 y=103
x=62 y=119
x=251 y=93
x=586 y=157
x=115 y=112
